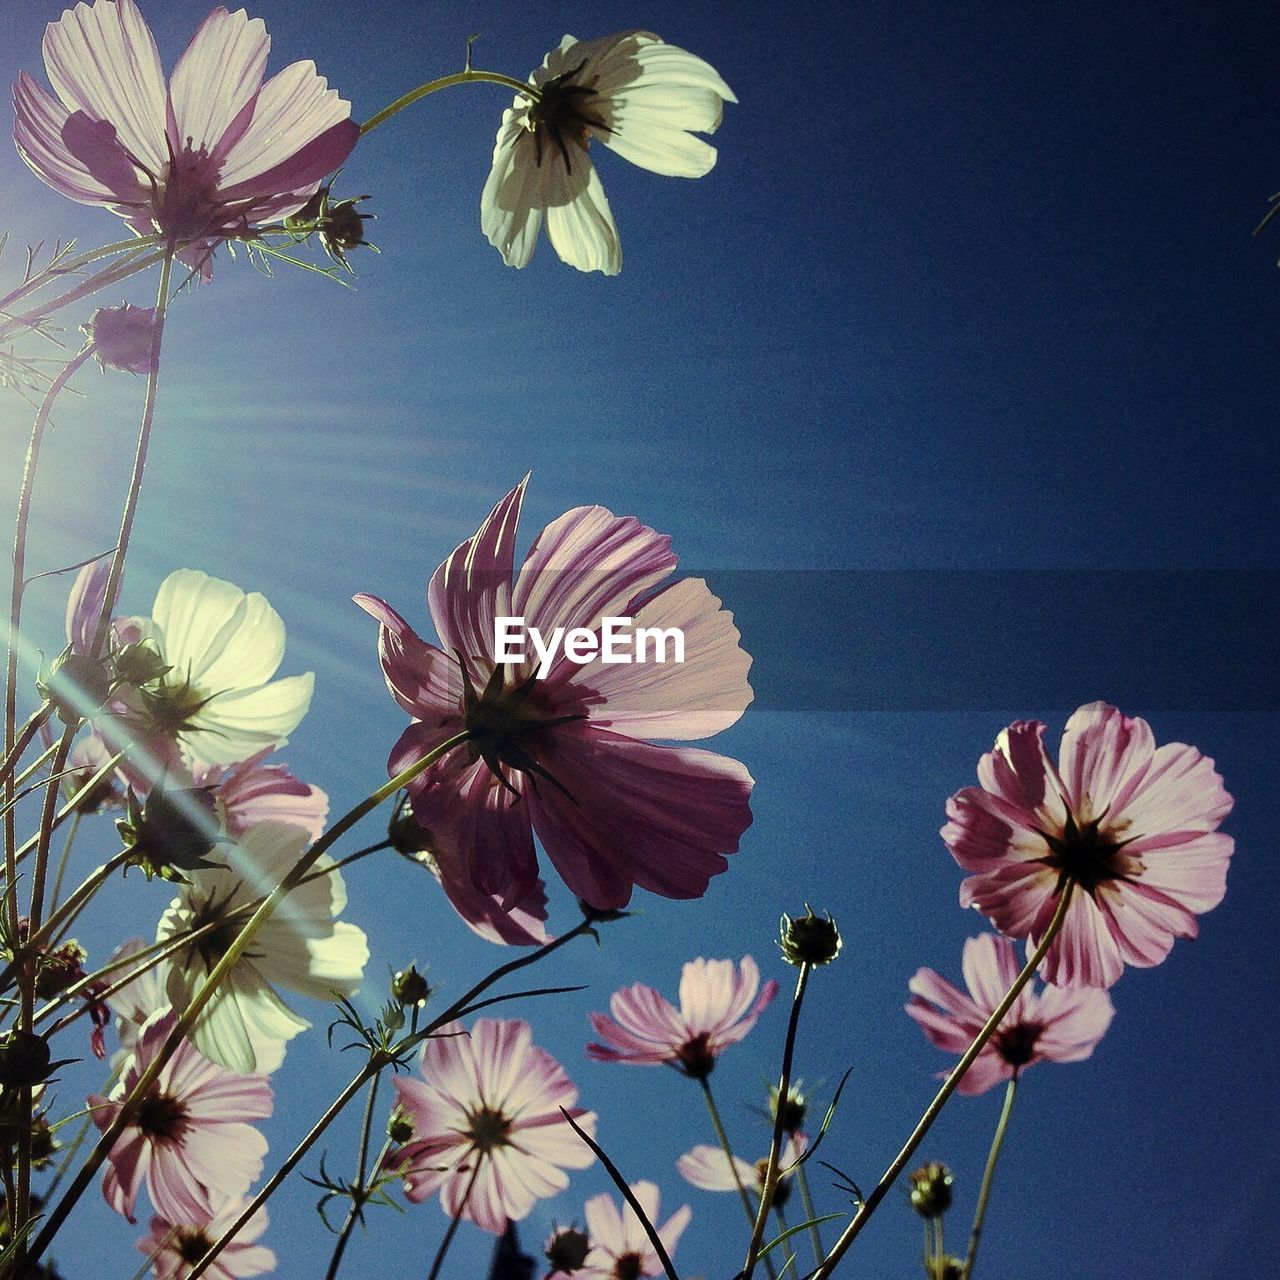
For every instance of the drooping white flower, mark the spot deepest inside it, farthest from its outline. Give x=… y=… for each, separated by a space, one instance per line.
x=222 y=647
x=303 y=947
x=640 y=97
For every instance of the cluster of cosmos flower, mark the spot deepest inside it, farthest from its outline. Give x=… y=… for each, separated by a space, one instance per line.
x=1096 y=862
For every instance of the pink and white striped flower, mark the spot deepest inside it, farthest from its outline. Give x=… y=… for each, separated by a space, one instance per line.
x=205 y=157
x=1133 y=826
x=708 y=1168
x=571 y=756
x=716 y=1010
x=620 y=1248
x=175 y=1245
x=1060 y=1024
x=489 y=1135
x=190 y=1141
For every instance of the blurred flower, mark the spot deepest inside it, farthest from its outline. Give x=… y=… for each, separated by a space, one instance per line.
x=214 y=154
x=88 y=758
x=189 y=1139
x=567 y=1249
x=176 y=1244
x=931 y=1189
x=715 y=1011
x=217 y=700
x=794 y=1108
x=620 y=1249
x=1061 y=1024
x=487 y=1118
x=637 y=95
x=1133 y=826
x=708 y=1167
x=570 y=754
x=302 y=947
x=122 y=337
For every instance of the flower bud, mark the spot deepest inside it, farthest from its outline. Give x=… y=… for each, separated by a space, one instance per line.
x=948 y=1267
x=567 y=1249
x=123 y=337
x=24 y=1059
x=809 y=939
x=399 y=1126
x=409 y=987
x=794 y=1108
x=59 y=969
x=931 y=1189
x=139 y=663
x=172 y=833
x=75 y=685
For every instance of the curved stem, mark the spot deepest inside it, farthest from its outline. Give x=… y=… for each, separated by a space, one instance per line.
x=989 y=1174
x=466 y=76
x=775 y=1147
x=723 y=1138
x=52 y=272
x=358 y=1189
x=453 y=1222
x=894 y=1171
x=62 y=862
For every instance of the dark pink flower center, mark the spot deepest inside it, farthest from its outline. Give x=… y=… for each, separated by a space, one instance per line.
x=630 y=1266
x=488 y=1129
x=1086 y=855
x=162 y=1118
x=192 y=1244
x=696 y=1058
x=1017 y=1044
x=188 y=206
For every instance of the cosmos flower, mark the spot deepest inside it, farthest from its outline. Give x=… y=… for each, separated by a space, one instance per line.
x=217 y=703
x=253 y=791
x=190 y=1140
x=488 y=1131
x=708 y=1167
x=303 y=947
x=572 y=754
x=175 y=1245
x=1060 y=1024
x=716 y=1010
x=211 y=155
x=1133 y=826
x=634 y=93
x=122 y=337
x=620 y=1249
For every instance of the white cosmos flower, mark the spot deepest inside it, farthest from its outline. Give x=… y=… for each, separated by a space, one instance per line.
x=302 y=947
x=639 y=96
x=223 y=646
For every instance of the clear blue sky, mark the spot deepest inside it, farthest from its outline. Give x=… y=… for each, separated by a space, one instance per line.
x=967 y=291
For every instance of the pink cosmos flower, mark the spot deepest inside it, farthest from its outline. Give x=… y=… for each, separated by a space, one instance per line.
x=1134 y=826
x=207 y=157
x=252 y=792
x=716 y=1010
x=708 y=1167
x=571 y=755
x=190 y=1141
x=620 y=1249
x=175 y=1245
x=122 y=337
x=488 y=1132
x=1060 y=1024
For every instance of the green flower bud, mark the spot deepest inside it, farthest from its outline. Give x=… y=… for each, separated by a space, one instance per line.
x=140 y=663
x=409 y=987
x=931 y=1189
x=172 y=832
x=75 y=685
x=567 y=1249
x=24 y=1059
x=399 y=1126
x=809 y=939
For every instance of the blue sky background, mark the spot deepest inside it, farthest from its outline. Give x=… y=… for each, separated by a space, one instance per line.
x=968 y=291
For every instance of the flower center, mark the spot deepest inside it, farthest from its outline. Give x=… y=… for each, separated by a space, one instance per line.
x=192 y=1244
x=563 y=110
x=1087 y=856
x=1017 y=1044
x=488 y=1129
x=162 y=1118
x=209 y=948
x=172 y=707
x=696 y=1059
x=629 y=1266
x=188 y=207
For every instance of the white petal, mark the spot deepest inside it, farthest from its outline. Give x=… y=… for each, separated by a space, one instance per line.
x=509 y=214
x=235 y=725
x=582 y=230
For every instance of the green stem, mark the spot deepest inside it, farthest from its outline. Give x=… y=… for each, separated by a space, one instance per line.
x=989 y=1174
x=775 y=1147
x=934 y=1109
x=723 y=1138
x=807 y=1200
x=358 y=1189
x=62 y=862
x=14 y=755
x=453 y=1222
x=466 y=76
x=46 y=274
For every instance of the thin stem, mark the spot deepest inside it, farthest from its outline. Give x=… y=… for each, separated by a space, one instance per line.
x=62 y=862
x=466 y=76
x=53 y=272
x=453 y=1222
x=934 y=1109
x=29 y=730
x=989 y=1174
x=775 y=1147
x=375 y=1064
x=358 y=1189
x=806 y=1199
x=723 y=1138
x=42 y=759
